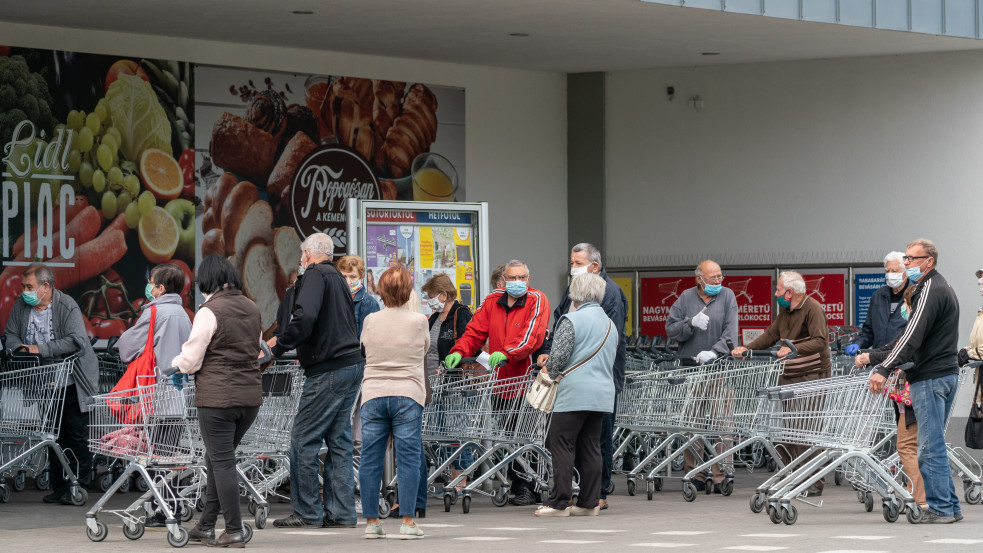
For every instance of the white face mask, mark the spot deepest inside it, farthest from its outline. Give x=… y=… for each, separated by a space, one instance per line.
x=575 y=271
x=435 y=305
x=980 y=283
x=894 y=280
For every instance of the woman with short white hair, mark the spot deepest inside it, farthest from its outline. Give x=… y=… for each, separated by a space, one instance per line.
x=582 y=361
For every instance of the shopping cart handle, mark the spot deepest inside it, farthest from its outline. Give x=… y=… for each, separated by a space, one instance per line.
x=792 y=354
x=973 y=364
x=111 y=341
x=169 y=371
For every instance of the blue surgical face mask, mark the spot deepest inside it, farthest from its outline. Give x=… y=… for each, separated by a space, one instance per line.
x=904 y=311
x=516 y=288
x=784 y=303
x=30 y=298
x=914 y=273
x=712 y=289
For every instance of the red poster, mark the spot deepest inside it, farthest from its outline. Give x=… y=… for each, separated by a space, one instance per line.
x=755 y=295
x=657 y=296
x=829 y=290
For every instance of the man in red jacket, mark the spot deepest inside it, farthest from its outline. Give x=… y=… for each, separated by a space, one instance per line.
x=514 y=323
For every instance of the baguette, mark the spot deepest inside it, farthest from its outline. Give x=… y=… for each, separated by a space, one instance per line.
x=233 y=211
x=258 y=270
x=256 y=224
x=286 y=247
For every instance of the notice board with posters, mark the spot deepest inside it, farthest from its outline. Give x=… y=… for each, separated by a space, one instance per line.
x=864 y=286
x=427 y=239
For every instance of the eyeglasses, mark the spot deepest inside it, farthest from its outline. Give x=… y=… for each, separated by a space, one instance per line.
x=714 y=279
x=910 y=258
x=516 y=278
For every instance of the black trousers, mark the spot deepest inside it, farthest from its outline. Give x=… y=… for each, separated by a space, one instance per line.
x=574 y=441
x=74 y=437
x=221 y=430
x=607 y=446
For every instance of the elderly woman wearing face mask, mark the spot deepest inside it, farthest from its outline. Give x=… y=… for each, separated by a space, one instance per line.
x=975 y=348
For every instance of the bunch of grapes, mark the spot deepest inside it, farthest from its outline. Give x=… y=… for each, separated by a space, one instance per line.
x=110 y=182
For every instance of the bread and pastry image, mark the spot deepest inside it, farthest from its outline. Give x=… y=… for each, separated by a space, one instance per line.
x=242 y=148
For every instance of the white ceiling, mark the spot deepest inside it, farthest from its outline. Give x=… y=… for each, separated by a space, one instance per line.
x=564 y=35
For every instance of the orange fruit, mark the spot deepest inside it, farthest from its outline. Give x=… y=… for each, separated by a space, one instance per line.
x=159 y=234
x=161 y=174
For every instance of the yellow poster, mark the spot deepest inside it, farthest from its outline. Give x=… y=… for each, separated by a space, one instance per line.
x=426 y=248
x=625 y=284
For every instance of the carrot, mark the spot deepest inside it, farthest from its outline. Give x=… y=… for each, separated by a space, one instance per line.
x=71 y=210
x=91 y=259
x=83 y=227
x=119 y=223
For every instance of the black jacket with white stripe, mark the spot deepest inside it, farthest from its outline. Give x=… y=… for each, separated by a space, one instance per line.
x=931 y=338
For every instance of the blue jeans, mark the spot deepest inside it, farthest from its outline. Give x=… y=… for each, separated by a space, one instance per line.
x=324 y=416
x=932 y=400
x=402 y=417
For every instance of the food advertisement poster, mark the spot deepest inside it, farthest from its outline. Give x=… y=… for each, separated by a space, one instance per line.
x=279 y=154
x=426 y=243
x=98 y=177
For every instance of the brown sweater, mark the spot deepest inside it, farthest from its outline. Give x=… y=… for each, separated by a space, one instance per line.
x=805 y=326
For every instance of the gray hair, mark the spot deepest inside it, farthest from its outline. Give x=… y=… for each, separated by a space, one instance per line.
x=587 y=288
x=42 y=273
x=319 y=244
x=894 y=256
x=928 y=246
x=593 y=254
x=793 y=281
x=515 y=263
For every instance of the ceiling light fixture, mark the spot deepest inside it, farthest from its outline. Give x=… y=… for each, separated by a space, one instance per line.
x=710 y=54
x=303 y=12
x=519 y=34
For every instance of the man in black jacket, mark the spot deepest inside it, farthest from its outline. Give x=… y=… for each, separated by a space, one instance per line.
x=322 y=330
x=884 y=320
x=585 y=258
x=930 y=342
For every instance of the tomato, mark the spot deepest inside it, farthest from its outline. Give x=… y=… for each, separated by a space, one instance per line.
x=107 y=328
x=91 y=332
x=187 y=163
x=9 y=291
x=105 y=297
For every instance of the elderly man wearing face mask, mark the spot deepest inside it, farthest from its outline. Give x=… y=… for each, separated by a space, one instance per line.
x=884 y=320
x=704 y=321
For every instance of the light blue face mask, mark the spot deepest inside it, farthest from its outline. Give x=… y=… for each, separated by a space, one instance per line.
x=147 y=290
x=30 y=298
x=904 y=311
x=914 y=273
x=516 y=288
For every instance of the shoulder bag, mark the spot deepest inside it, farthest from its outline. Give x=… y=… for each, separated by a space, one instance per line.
x=129 y=400
x=542 y=392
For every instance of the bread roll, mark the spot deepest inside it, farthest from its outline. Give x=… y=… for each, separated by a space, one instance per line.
x=412 y=132
x=258 y=270
x=286 y=247
x=256 y=224
x=233 y=211
x=218 y=192
x=286 y=168
x=212 y=243
x=239 y=146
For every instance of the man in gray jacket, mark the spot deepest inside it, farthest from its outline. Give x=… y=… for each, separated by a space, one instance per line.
x=49 y=323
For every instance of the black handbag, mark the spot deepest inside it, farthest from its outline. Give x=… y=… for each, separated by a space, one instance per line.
x=974 y=425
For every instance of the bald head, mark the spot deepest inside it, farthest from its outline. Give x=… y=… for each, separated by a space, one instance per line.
x=708 y=270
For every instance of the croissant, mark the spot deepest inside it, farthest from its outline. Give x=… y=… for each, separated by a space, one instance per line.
x=348 y=108
x=412 y=132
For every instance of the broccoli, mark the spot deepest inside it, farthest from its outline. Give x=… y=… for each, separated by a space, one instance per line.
x=23 y=95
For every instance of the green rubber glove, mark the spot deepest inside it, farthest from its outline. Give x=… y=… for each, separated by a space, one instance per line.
x=497 y=358
x=452 y=360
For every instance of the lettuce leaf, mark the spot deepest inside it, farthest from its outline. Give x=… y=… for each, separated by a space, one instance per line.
x=140 y=119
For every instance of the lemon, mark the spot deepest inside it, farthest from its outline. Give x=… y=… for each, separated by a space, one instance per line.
x=161 y=174
x=158 y=235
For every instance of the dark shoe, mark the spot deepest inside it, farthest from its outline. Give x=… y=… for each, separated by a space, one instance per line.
x=932 y=518
x=420 y=513
x=228 y=540
x=328 y=523
x=199 y=535
x=523 y=497
x=958 y=517
x=716 y=489
x=55 y=496
x=66 y=499
x=814 y=492
x=156 y=521
x=701 y=486
x=295 y=521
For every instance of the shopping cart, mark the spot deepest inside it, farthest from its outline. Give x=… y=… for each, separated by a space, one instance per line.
x=32 y=397
x=152 y=429
x=670 y=289
x=813 y=288
x=740 y=288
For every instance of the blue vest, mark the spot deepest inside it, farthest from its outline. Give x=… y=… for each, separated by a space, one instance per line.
x=590 y=387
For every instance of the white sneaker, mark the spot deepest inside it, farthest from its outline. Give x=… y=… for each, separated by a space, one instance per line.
x=408 y=532
x=374 y=531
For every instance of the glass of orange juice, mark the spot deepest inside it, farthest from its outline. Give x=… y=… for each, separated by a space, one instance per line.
x=434 y=178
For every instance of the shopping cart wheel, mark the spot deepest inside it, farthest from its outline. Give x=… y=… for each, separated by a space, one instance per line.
x=134 y=533
x=678 y=463
x=631 y=487
x=868 y=502
x=838 y=478
x=649 y=489
x=140 y=483
x=19 y=481
x=689 y=491
x=914 y=514
x=260 y=519
x=772 y=465
x=187 y=513
x=43 y=481
x=200 y=503
x=4 y=493
x=126 y=485
x=251 y=506
x=448 y=503
x=79 y=496
x=757 y=503
x=466 y=504
x=727 y=487
x=501 y=497
x=973 y=495
x=105 y=481
x=758 y=456
x=247 y=532
x=890 y=511
x=100 y=533
x=183 y=537
x=384 y=508
x=774 y=514
x=790 y=515
x=658 y=483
